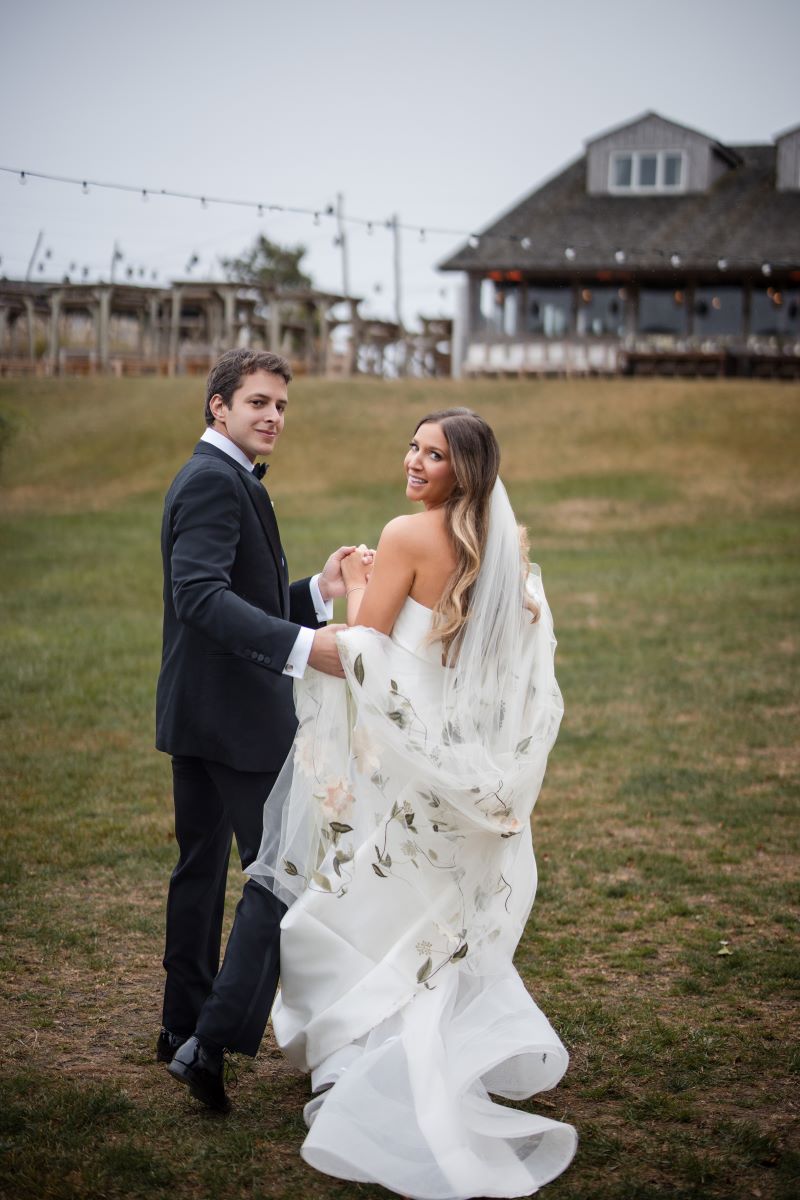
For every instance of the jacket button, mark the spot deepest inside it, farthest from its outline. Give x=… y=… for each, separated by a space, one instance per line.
x=267 y=659
x=259 y=657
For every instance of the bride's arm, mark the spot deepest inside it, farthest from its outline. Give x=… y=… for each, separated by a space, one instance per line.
x=376 y=603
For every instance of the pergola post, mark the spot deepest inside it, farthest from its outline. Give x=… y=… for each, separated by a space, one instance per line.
x=174 y=329
x=274 y=324
x=3 y=328
x=310 y=308
x=324 y=338
x=153 y=341
x=29 y=313
x=229 y=317
x=103 y=327
x=351 y=358
x=55 y=330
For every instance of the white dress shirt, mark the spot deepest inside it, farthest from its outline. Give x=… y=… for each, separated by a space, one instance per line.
x=297 y=661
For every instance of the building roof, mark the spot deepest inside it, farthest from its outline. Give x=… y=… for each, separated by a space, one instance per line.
x=741 y=218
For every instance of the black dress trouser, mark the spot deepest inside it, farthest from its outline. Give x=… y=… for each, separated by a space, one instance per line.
x=227 y=1007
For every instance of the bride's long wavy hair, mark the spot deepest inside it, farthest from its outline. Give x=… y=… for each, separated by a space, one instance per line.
x=476 y=462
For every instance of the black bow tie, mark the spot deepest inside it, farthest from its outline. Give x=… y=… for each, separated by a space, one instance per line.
x=260 y=470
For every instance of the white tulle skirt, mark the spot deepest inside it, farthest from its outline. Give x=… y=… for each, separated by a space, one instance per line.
x=404 y=849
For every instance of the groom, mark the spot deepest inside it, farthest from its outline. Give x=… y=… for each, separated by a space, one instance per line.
x=235 y=634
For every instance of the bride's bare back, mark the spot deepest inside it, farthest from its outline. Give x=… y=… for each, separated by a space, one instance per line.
x=415 y=557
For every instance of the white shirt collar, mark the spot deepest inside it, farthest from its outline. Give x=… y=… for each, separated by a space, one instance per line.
x=228 y=447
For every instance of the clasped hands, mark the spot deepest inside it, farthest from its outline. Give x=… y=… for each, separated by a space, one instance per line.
x=346 y=569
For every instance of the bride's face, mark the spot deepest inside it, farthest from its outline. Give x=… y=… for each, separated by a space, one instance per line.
x=430 y=477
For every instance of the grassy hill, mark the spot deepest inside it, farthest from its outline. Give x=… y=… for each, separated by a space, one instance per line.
x=662 y=944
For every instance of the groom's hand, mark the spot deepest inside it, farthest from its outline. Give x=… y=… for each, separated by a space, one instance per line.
x=324 y=654
x=331 y=584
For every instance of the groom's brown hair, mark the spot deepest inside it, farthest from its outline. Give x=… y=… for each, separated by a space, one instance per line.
x=228 y=371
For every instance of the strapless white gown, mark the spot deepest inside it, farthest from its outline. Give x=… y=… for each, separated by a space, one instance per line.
x=398 y=991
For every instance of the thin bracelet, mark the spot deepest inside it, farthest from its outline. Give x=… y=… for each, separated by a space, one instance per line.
x=358 y=589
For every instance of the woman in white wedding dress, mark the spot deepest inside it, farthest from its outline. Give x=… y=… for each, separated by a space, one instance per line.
x=402 y=844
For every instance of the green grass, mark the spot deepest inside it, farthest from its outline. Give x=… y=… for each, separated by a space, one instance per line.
x=665 y=517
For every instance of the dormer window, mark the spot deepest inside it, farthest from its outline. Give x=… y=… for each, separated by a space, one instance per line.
x=647 y=171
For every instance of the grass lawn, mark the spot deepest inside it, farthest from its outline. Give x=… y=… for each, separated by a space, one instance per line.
x=663 y=941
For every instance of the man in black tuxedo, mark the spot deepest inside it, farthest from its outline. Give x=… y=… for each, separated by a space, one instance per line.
x=235 y=633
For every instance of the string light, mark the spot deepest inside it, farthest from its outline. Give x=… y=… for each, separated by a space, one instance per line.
x=474 y=240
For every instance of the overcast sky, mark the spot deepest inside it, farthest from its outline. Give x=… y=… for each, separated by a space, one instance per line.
x=444 y=111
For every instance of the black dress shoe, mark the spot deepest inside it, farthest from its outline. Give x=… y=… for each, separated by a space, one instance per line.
x=202 y=1072
x=167 y=1044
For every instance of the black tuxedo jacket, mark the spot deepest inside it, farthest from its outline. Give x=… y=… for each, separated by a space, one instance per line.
x=230 y=619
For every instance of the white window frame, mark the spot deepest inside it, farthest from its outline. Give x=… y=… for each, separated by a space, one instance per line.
x=634 y=188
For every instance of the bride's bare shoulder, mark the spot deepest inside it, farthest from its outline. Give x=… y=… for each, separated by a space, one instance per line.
x=415 y=532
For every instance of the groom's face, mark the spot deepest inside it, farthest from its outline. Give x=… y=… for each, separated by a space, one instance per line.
x=256 y=416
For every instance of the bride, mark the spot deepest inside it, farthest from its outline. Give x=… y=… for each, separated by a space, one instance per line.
x=401 y=842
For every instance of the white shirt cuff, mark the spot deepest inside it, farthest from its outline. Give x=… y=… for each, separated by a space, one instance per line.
x=297 y=661
x=322 y=608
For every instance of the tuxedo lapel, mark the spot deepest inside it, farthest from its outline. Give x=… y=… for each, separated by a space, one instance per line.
x=266 y=516
x=263 y=506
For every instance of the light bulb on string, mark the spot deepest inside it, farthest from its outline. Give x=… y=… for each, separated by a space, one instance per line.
x=203 y=202
x=619 y=256
x=422 y=235
x=144 y=196
x=473 y=241
x=722 y=264
x=369 y=229
x=675 y=260
x=22 y=178
x=316 y=218
x=569 y=253
x=766 y=269
x=85 y=188
x=525 y=243
x=261 y=210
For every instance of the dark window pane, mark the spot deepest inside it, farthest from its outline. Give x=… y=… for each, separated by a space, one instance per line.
x=549 y=311
x=601 y=312
x=662 y=310
x=773 y=311
x=647 y=170
x=623 y=173
x=672 y=170
x=718 y=311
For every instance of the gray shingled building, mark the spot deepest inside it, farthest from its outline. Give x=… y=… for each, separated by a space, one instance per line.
x=659 y=250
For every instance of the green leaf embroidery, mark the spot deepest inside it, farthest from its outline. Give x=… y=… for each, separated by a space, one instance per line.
x=337 y=867
x=393 y=685
x=424 y=971
x=290 y=868
x=378 y=871
x=321 y=880
x=340 y=827
x=358 y=669
x=523 y=745
x=461 y=952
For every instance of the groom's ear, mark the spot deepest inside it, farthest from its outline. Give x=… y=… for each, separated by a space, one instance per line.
x=217 y=406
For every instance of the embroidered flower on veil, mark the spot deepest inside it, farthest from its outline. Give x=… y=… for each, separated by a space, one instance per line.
x=338 y=800
x=365 y=749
